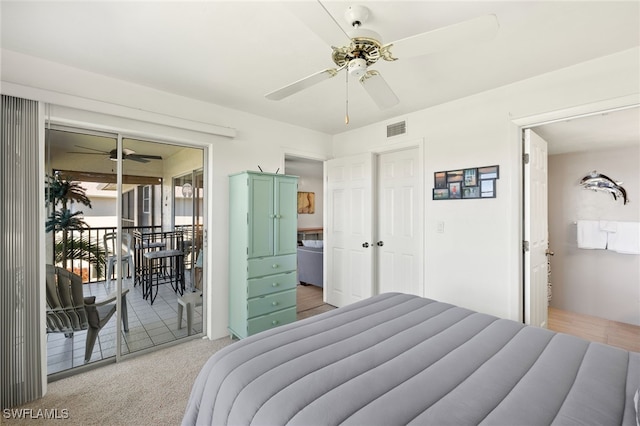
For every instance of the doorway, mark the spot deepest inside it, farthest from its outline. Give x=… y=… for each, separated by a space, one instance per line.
x=130 y=185
x=310 y=229
x=598 y=283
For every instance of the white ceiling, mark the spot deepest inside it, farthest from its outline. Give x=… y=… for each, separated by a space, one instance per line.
x=232 y=53
x=606 y=130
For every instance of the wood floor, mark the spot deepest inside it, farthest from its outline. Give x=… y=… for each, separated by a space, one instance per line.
x=625 y=336
x=308 y=297
x=310 y=303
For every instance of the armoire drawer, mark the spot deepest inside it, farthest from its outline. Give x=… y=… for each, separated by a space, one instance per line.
x=271 y=284
x=266 y=322
x=261 y=266
x=274 y=302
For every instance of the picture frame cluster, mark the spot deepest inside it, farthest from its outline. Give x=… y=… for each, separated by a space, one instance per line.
x=464 y=184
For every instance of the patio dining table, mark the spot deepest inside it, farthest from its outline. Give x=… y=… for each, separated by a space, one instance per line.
x=159 y=260
x=161 y=267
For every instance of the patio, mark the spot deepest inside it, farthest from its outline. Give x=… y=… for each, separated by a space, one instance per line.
x=149 y=325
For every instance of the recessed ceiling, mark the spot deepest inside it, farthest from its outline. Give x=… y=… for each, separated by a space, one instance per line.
x=232 y=53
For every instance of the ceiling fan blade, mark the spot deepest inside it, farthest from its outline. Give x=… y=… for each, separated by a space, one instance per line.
x=87 y=153
x=318 y=19
x=92 y=149
x=480 y=29
x=302 y=84
x=145 y=156
x=137 y=158
x=379 y=90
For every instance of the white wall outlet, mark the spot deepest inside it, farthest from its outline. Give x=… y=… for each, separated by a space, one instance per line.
x=440 y=227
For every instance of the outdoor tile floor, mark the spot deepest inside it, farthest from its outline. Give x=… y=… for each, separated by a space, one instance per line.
x=149 y=325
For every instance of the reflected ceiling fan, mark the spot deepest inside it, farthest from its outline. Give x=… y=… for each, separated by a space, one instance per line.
x=127 y=154
x=362 y=48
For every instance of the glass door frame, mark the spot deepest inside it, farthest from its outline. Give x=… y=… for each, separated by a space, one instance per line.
x=120 y=136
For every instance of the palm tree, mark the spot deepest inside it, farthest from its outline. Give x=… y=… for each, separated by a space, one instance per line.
x=63 y=193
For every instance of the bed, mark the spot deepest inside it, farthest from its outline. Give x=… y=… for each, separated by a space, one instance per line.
x=397 y=359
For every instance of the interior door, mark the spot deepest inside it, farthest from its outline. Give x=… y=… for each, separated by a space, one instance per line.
x=348 y=238
x=399 y=227
x=536 y=234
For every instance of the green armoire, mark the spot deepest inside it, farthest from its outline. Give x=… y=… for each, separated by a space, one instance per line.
x=263 y=224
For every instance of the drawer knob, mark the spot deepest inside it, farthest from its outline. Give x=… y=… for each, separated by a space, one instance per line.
x=275 y=285
x=275 y=322
x=275 y=265
x=275 y=303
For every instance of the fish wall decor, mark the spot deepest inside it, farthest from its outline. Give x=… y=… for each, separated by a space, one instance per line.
x=599 y=182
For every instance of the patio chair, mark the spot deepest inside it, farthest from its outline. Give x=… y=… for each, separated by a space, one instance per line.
x=112 y=254
x=69 y=311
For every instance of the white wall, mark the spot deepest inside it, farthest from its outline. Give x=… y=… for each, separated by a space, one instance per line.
x=476 y=262
x=601 y=283
x=82 y=97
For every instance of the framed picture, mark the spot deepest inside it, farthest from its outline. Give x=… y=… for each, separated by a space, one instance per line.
x=471 y=192
x=474 y=182
x=306 y=202
x=488 y=188
x=470 y=177
x=455 y=176
x=454 y=190
x=490 y=172
x=441 y=193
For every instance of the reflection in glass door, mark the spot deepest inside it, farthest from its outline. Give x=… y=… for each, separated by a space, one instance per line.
x=137 y=212
x=188 y=192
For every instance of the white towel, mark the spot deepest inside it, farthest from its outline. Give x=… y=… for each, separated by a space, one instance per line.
x=590 y=236
x=608 y=225
x=626 y=239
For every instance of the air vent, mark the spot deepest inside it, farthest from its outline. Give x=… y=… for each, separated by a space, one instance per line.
x=395 y=129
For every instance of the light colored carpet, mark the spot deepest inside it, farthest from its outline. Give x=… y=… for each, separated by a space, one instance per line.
x=150 y=389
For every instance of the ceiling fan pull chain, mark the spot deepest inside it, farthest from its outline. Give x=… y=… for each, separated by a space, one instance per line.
x=346 y=106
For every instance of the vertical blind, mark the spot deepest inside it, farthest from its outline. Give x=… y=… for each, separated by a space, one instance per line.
x=21 y=375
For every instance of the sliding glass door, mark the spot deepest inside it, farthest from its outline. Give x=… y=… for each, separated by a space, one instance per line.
x=128 y=250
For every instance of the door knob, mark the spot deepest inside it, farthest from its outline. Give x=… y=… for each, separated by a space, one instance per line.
x=549 y=253
x=365 y=245
x=380 y=243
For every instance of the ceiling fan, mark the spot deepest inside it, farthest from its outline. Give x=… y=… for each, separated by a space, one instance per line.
x=363 y=48
x=127 y=154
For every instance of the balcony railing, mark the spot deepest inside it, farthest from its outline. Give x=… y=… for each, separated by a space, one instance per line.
x=85 y=258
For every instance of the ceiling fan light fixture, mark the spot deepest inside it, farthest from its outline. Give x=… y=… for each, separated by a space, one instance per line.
x=357 y=67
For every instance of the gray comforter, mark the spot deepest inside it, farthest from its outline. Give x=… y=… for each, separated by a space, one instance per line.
x=397 y=359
